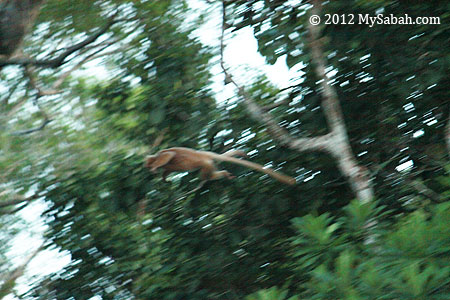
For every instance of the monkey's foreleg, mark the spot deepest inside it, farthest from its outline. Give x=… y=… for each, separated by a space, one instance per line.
x=221 y=174
x=161 y=160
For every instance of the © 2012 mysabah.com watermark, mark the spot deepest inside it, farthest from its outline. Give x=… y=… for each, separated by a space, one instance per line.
x=366 y=19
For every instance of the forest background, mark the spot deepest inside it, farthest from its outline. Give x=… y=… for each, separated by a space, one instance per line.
x=361 y=120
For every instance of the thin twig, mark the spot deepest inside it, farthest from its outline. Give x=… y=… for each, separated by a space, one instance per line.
x=46 y=120
x=44 y=123
x=5 y=100
x=289 y=87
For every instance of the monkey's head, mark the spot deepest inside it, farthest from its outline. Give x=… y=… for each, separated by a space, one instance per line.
x=149 y=161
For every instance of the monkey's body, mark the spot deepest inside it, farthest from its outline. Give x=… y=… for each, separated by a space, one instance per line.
x=186 y=159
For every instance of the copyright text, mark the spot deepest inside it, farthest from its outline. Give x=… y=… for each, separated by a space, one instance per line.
x=380 y=19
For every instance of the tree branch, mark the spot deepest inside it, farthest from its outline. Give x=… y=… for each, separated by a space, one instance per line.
x=96 y=54
x=44 y=123
x=290 y=87
x=330 y=102
x=336 y=142
x=15 y=210
x=39 y=94
x=421 y=188
x=278 y=133
x=18 y=200
x=57 y=84
x=61 y=59
x=339 y=146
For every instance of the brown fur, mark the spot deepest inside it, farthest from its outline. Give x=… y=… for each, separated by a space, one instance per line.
x=186 y=159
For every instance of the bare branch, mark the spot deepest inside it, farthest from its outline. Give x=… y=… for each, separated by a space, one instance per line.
x=96 y=54
x=57 y=84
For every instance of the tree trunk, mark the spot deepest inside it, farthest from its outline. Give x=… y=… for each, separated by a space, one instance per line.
x=339 y=146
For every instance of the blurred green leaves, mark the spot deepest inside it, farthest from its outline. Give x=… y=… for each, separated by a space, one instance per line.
x=406 y=260
x=131 y=236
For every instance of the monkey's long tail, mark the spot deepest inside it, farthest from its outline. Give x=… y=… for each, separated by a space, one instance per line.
x=277 y=175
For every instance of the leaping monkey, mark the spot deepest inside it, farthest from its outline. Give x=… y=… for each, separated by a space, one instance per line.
x=186 y=159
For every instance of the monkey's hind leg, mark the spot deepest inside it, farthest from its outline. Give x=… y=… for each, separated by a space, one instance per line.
x=209 y=172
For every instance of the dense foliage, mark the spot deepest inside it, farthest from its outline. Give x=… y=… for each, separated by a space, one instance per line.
x=132 y=236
